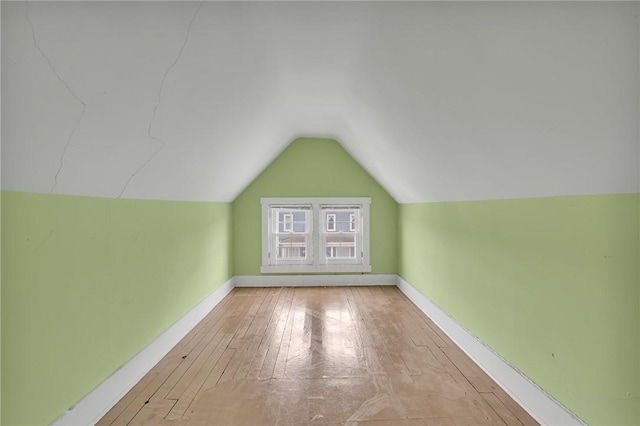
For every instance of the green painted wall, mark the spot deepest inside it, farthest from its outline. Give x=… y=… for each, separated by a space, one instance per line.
x=88 y=282
x=313 y=168
x=551 y=284
x=0 y=308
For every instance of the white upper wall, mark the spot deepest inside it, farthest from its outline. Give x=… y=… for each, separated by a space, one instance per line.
x=438 y=101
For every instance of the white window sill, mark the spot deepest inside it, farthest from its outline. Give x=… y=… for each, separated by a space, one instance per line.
x=313 y=268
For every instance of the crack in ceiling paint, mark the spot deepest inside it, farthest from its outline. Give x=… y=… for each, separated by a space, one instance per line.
x=437 y=101
x=69 y=89
x=161 y=143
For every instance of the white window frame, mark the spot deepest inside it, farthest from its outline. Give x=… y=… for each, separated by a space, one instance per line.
x=316 y=259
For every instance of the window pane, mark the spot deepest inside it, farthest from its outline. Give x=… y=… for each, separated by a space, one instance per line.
x=291 y=247
x=340 y=219
x=300 y=221
x=340 y=246
x=290 y=220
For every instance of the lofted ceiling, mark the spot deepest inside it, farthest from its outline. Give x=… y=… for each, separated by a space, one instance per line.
x=438 y=101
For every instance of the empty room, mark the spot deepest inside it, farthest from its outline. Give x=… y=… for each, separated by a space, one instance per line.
x=286 y=213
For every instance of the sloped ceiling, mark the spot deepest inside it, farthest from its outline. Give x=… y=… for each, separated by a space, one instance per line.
x=438 y=101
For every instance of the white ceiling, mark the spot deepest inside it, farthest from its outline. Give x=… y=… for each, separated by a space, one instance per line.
x=438 y=101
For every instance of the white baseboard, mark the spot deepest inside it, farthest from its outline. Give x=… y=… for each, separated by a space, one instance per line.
x=313 y=280
x=541 y=406
x=96 y=403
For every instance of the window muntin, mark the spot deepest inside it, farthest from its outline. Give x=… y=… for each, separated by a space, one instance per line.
x=315 y=235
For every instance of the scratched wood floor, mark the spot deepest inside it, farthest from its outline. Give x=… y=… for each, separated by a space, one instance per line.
x=339 y=355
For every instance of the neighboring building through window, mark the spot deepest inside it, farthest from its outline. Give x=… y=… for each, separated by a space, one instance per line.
x=315 y=235
x=287 y=223
x=331 y=222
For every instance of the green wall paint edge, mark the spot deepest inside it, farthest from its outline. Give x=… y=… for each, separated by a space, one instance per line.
x=311 y=167
x=88 y=282
x=551 y=284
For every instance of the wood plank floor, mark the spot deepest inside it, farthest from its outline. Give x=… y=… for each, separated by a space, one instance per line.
x=338 y=355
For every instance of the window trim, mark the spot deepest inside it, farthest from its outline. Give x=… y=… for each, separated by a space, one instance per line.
x=317 y=261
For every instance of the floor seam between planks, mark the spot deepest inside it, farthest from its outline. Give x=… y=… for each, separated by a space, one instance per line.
x=332 y=355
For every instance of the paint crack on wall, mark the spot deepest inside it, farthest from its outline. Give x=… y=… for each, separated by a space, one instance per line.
x=69 y=89
x=161 y=144
x=44 y=241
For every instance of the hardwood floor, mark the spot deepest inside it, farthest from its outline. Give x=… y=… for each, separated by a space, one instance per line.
x=338 y=355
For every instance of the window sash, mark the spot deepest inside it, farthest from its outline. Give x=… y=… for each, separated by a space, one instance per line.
x=293 y=223
x=339 y=243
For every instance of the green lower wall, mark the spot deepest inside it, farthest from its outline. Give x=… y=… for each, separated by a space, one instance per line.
x=88 y=282
x=0 y=310
x=550 y=284
x=311 y=167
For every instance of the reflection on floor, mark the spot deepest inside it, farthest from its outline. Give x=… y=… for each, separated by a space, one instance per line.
x=339 y=355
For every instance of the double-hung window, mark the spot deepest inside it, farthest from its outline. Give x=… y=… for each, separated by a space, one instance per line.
x=290 y=236
x=315 y=235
